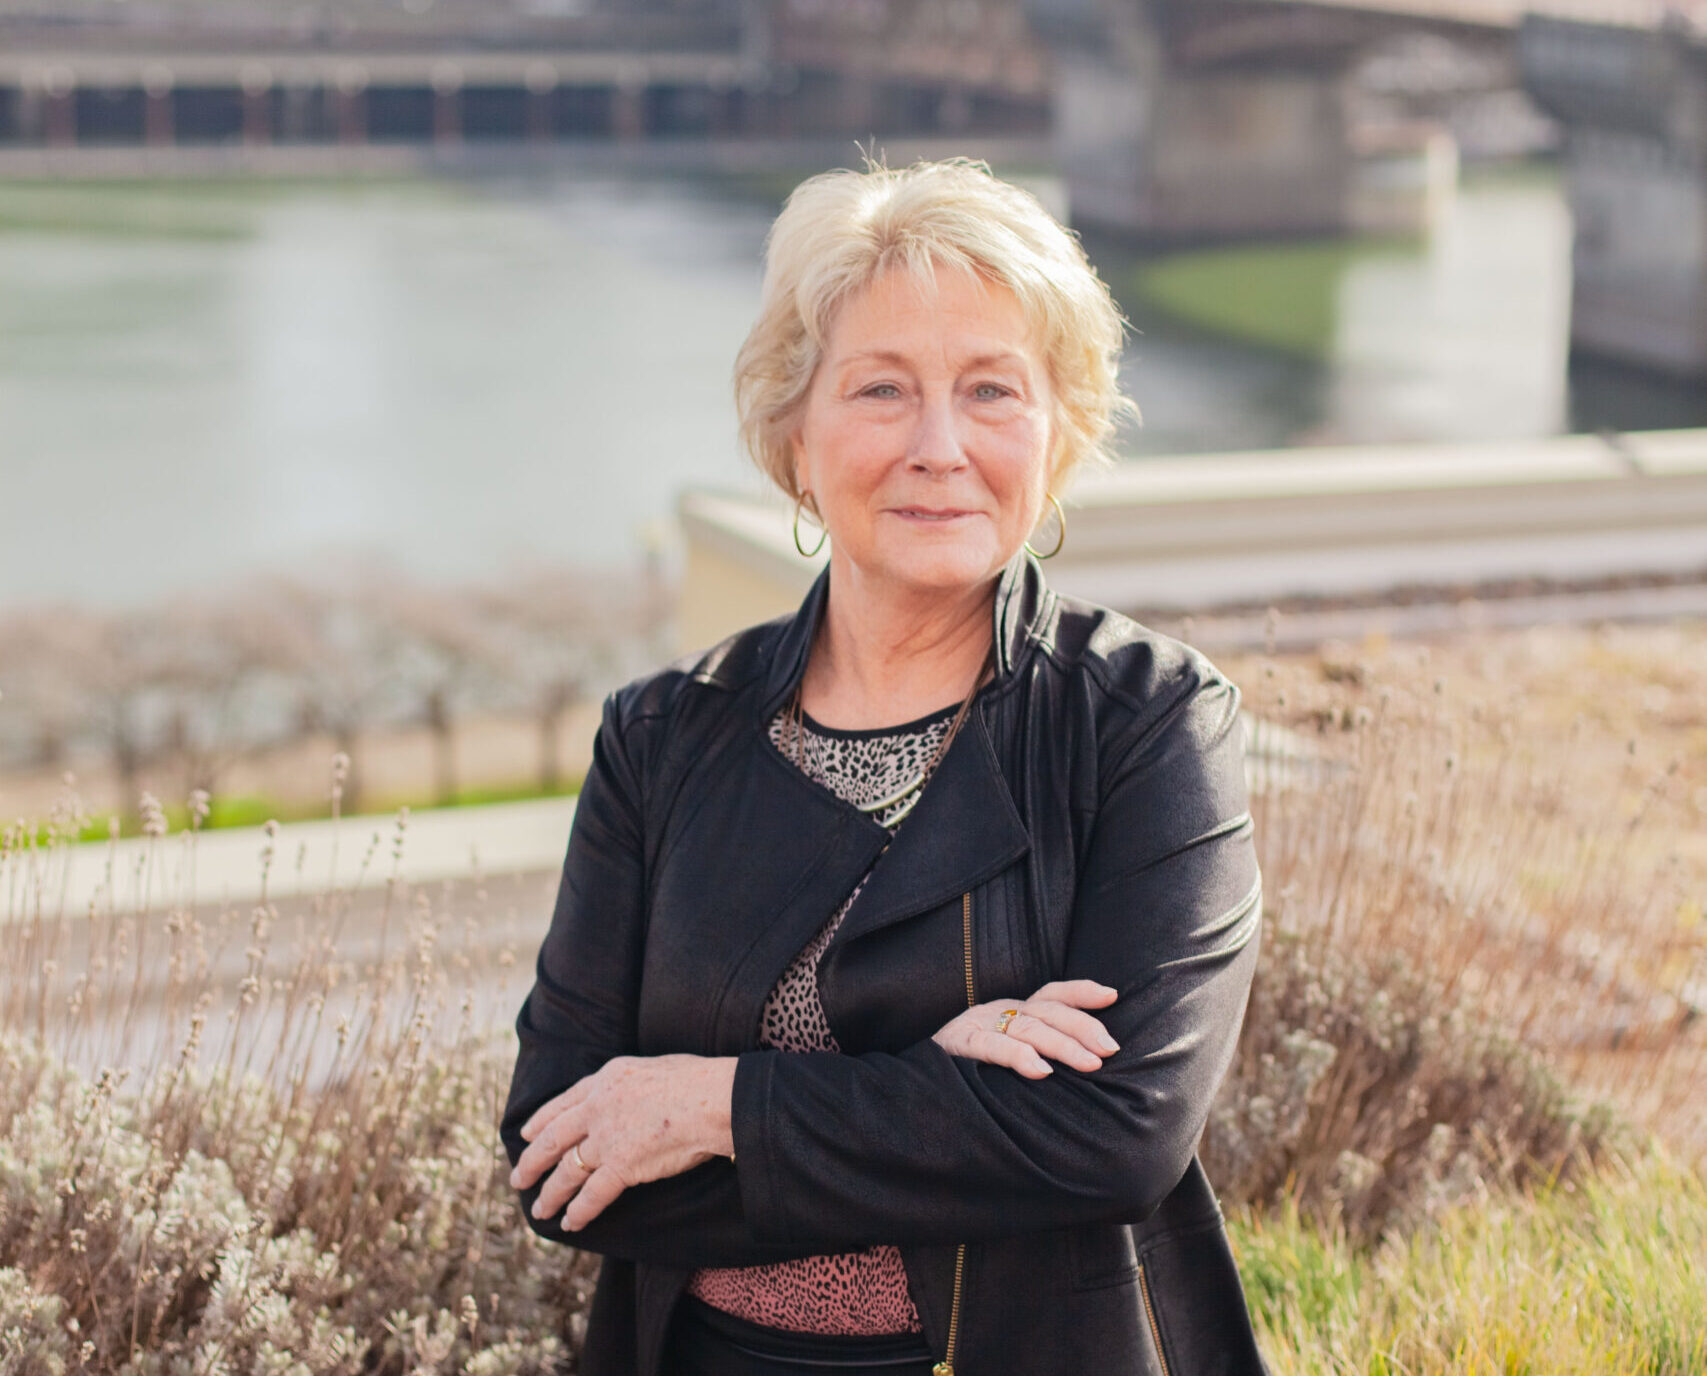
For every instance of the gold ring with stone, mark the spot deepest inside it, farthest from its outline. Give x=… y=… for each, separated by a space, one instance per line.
x=1008 y=1015
x=575 y=1155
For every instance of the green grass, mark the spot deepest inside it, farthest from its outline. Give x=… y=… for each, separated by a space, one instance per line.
x=1536 y=170
x=212 y=208
x=251 y=810
x=1603 y=1278
x=99 y=209
x=1280 y=296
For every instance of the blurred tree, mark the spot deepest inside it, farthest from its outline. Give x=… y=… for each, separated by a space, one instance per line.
x=91 y=675
x=39 y=713
x=201 y=682
x=345 y=651
x=451 y=653
x=226 y=665
x=563 y=631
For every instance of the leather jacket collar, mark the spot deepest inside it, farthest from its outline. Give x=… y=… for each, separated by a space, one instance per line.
x=1022 y=615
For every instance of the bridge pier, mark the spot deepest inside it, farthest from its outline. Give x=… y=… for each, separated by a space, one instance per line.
x=1634 y=105
x=1229 y=119
x=157 y=122
x=541 y=85
x=628 y=110
x=350 y=108
x=447 y=105
x=1237 y=152
x=257 y=84
x=1161 y=147
x=59 y=109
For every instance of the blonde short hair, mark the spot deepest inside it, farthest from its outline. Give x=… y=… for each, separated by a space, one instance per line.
x=841 y=230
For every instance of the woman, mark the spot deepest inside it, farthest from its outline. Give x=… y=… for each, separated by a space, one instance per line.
x=902 y=943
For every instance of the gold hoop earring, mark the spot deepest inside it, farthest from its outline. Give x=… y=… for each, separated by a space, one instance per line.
x=1061 y=530
x=823 y=534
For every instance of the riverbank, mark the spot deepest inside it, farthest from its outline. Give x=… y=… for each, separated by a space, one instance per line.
x=1286 y=296
x=1464 y=1107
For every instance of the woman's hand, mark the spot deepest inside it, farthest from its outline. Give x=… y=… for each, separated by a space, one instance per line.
x=635 y=1119
x=1051 y=1023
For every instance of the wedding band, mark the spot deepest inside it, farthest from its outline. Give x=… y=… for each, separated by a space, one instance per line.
x=1008 y=1015
x=582 y=1166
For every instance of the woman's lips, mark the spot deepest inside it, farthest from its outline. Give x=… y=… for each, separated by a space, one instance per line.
x=921 y=513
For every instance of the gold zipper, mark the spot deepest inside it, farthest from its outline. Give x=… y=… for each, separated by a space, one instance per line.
x=946 y=1366
x=1150 y=1314
x=966 y=944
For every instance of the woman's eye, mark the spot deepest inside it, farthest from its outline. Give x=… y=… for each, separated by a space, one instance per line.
x=990 y=391
x=883 y=391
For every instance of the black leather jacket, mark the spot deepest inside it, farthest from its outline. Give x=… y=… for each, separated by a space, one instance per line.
x=1092 y=813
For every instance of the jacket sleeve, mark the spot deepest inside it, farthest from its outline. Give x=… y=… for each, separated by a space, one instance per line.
x=922 y=1147
x=582 y=1012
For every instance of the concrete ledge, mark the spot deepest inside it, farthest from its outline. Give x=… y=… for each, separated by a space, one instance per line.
x=1217 y=530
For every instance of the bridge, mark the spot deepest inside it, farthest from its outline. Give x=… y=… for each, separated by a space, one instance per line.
x=1206 y=119
x=1193 y=120
x=83 y=72
x=91 y=72
x=1185 y=120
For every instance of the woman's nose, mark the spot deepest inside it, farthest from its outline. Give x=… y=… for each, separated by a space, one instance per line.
x=936 y=445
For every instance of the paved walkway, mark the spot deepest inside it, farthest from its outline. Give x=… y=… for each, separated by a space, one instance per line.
x=226 y=866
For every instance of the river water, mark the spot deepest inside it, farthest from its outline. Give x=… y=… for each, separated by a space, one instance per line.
x=199 y=380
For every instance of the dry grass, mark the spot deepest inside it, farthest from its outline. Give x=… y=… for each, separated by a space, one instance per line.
x=266 y=1140
x=1515 y=825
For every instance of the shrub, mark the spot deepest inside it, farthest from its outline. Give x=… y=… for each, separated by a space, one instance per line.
x=1367 y=1095
x=201 y=1225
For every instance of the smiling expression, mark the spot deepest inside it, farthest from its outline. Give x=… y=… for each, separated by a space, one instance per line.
x=924 y=438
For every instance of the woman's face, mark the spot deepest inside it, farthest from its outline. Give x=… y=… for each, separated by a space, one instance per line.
x=925 y=434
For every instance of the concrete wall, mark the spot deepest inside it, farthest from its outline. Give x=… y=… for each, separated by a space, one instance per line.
x=742 y=565
x=1102 y=122
x=1238 y=153
x=1639 y=263
x=1164 y=151
x=721 y=594
x=1197 y=533
x=1634 y=104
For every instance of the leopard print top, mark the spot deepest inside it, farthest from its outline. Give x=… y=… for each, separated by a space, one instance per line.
x=852 y=1292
